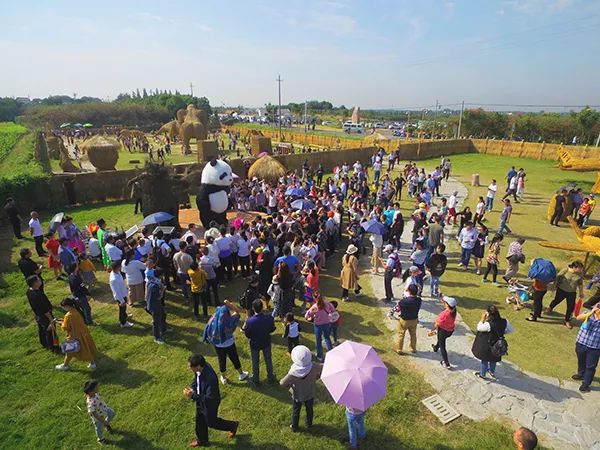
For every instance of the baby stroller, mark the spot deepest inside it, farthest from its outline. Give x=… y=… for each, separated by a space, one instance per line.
x=519 y=294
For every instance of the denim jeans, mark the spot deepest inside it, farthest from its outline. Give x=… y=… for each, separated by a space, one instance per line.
x=159 y=321
x=503 y=227
x=100 y=426
x=587 y=361
x=256 y=364
x=487 y=366
x=434 y=283
x=185 y=288
x=465 y=256
x=489 y=203
x=322 y=332
x=334 y=332
x=356 y=428
x=86 y=308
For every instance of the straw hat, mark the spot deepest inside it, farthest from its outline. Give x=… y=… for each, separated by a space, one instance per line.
x=351 y=249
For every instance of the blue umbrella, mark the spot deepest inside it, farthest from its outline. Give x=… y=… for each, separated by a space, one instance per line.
x=374 y=227
x=303 y=204
x=157 y=217
x=296 y=192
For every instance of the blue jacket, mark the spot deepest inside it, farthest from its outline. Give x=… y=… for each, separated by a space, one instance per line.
x=205 y=387
x=258 y=329
x=153 y=297
x=66 y=256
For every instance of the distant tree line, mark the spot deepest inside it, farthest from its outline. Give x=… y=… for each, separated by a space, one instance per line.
x=135 y=109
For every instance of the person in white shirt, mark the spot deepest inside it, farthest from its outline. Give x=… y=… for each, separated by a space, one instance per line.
x=376 y=261
x=94 y=247
x=182 y=262
x=134 y=275
x=467 y=238
x=35 y=228
x=479 y=211
x=190 y=232
x=512 y=189
x=119 y=291
x=491 y=194
x=452 y=202
x=243 y=245
x=114 y=253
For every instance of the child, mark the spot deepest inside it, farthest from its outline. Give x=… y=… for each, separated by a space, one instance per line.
x=291 y=332
x=99 y=411
x=437 y=266
x=87 y=269
x=335 y=324
x=301 y=380
x=94 y=247
x=356 y=426
x=199 y=289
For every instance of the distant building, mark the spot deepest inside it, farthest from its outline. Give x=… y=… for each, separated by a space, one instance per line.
x=23 y=100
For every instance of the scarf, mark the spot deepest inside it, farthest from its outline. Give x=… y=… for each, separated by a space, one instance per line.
x=302 y=361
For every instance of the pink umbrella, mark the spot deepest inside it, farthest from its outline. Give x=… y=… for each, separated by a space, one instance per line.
x=354 y=375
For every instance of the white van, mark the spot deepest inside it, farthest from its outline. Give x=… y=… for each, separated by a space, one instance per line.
x=350 y=127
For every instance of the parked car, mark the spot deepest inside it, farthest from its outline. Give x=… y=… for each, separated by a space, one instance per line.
x=350 y=127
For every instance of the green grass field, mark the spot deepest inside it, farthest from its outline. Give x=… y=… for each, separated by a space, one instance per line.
x=143 y=381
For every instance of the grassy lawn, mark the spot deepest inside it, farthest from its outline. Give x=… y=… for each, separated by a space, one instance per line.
x=545 y=347
x=143 y=381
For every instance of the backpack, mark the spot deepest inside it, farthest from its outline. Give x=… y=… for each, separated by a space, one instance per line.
x=499 y=348
x=397 y=267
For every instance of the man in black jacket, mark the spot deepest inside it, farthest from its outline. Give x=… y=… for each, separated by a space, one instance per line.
x=205 y=392
x=409 y=317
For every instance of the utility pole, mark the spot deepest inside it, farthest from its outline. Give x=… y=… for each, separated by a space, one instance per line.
x=279 y=80
x=598 y=140
x=434 y=120
x=462 y=108
x=191 y=89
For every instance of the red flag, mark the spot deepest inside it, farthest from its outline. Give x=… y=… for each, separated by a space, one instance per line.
x=578 y=306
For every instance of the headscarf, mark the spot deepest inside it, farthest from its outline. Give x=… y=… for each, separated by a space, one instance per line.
x=302 y=361
x=220 y=327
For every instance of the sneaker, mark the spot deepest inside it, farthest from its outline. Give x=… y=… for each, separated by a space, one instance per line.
x=434 y=348
x=223 y=379
x=569 y=325
x=576 y=377
x=492 y=375
x=359 y=294
x=92 y=365
x=478 y=272
x=127 y=325
x=243 y=376
x=478 y=375
x=61 y=367
x=159 y=341
x=484 y=280
x=584 y=388
x=445 y=365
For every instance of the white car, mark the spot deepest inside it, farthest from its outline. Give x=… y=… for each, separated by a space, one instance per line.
x=350 y=127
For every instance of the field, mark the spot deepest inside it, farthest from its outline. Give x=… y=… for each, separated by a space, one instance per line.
x=143 y=381
x=545 y=347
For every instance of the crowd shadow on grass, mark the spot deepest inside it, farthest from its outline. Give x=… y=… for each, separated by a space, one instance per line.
x=8 y=321
x=117 y=371
x=129 y=439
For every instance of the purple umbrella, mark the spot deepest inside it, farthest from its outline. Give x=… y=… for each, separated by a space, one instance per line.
x=354 y=375
x=373 y=226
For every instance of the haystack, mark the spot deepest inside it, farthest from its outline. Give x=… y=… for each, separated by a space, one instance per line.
x=267 y=168
x=102 y=151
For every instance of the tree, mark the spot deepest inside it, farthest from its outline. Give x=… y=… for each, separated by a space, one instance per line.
x=9 y=109
x=144 y=93
x=588 y=119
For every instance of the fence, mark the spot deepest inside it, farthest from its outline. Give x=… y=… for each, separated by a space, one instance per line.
x=534 y=150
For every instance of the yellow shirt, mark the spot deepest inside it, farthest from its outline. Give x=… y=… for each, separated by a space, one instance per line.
x=197 y=279
x=85 y=265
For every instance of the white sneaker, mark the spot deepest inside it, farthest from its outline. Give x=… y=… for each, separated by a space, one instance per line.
x=243 y=376
x=223 y=379
x=61 y=367
x=92 y=365
x=358 y=294
x=159 y=341
x=127 y=325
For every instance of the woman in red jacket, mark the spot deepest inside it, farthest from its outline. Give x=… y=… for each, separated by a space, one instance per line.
x=444 y=325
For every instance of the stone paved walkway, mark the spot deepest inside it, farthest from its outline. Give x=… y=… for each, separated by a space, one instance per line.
x=553 y=408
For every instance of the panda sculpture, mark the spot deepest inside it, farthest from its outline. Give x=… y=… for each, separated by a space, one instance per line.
x=212 y=199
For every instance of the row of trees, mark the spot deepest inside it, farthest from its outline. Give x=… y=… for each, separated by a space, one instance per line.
x=136 y=109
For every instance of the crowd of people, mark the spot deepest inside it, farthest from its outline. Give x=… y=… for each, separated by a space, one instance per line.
x=281 y=254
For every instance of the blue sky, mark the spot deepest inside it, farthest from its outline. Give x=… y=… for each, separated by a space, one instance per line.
x=375 y=54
